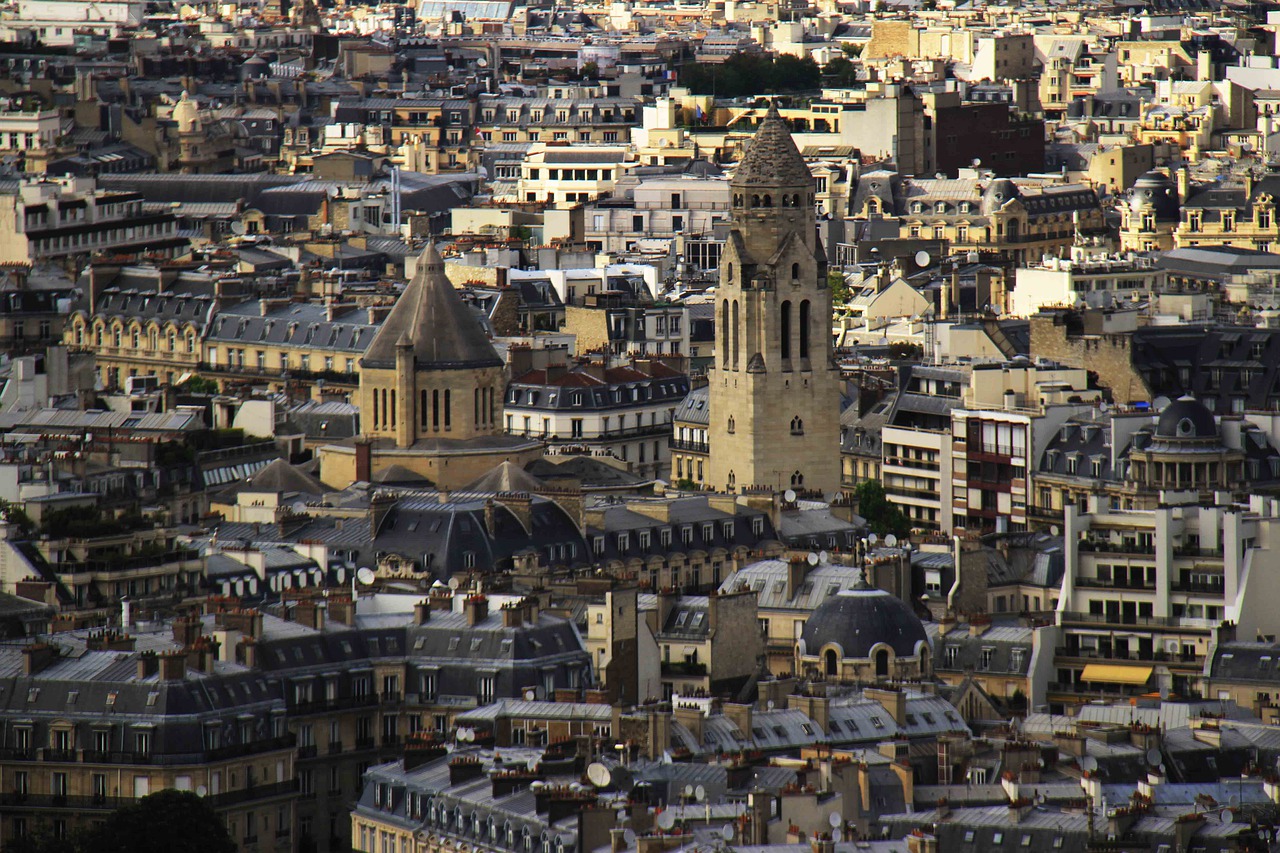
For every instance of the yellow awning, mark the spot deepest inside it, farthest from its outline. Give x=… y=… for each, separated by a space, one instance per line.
x=1104 y=673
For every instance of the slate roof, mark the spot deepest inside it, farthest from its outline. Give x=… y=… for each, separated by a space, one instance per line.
x=300 y=324
x=431 y=318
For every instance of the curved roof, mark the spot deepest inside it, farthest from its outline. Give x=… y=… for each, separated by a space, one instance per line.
x=858 y=619
x=772 y=159
x=1154 y=190
x=431 y=319
x=1186 y=419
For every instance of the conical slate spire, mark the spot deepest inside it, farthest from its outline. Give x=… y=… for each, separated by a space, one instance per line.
x=772 y=159
x=433 y=321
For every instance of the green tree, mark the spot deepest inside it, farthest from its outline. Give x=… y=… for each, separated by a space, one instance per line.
x=166 y=822
x=748 y=74
x=840 y=292
x=840 y=72
x=881 y=515
x=199 y=385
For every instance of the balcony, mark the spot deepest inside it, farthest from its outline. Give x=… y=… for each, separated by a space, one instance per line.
x=1099 y=583
x=253 y=747
x=257 y=792
x=365 y=743
x=277 y=373
x=392 y=697
x=1197 y=587
x=683 y=669
x=308 y=751
x=689 y=446
x=10 y=753
x=58 y=755
x=391 y=740
x=1070 y=617
x=1102 y=547
x=15 y=801
x=335 y=747
x=338 y=703
x=1065 y=653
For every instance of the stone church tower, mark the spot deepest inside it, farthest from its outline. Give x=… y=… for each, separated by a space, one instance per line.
x=430 y=372
x=774 y=393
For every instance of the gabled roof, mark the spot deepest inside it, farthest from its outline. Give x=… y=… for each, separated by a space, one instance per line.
x=507 y=477
x=434 y=322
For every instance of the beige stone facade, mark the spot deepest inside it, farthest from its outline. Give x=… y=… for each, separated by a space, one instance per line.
x=774 y=391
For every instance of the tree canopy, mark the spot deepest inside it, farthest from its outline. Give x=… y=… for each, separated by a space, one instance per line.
x=746 y=74
x=881 y=515
x=165 y=822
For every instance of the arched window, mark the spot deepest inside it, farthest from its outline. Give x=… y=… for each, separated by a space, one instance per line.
x=882 y=663
x=795 y=272
x=797 y=479
x=724 y=331
x=797 y=426
x=733 y=479
x=768 y=201
x=731 y=427
x=734 y=329
x=804 y=329
x=784 y=321
x=755 y=201
x=737 y=201
x=833 y=662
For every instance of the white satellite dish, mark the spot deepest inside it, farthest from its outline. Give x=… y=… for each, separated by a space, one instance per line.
x=1054 y=530
x=1088 y=763
x=977 y=161
x=1104 y=407
x=530 y=694
x=891 y=541
x=699 y=793
x=201 y=790
x=873 y=539
x=237 y=228
x=922 y=258
x=365 y=575
x=769 y=705
x=598 y=774
x=453 y=584
x=824 y=556
x=726 y=832
x=1160 y=403
x=812 y=558
x=666 y=820
x=1228 y=816
x=629 y=836
x=789 y=496
x=1153 y=757
x=835 y=820
x=688 y=790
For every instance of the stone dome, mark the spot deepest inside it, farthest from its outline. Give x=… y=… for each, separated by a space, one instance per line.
x=186 y=113
x=1186 y=419
x=858 y=619
x=1155 y=191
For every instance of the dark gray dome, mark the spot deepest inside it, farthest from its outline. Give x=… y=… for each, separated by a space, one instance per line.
x=1186 y=419
x=1155 y=191
x=857 y=619
x=998 y=193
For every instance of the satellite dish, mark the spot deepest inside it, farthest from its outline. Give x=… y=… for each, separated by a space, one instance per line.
x=365 y=575
x=1104 y=407
x=824 y=556
x=1160 y=403
x=482 y=62
x=530 y=694
x=789 y=496
x=688 y=790
x=699 y=793
x=835 y=820
x=977 y=161
x=726 y=832
x=629 y=836
x=453 y=584
x=666 y=757
x=873 y=539
x=1162 y=769
x=922 y=258
x=598 y=774
x=237 y=228
x=1088 y=763
x=1053 y=530
x=201 y=790
x=666 y=820
x=769 y=705
x=1153 y=757
x=1228 y=816
x=891 y=540
x=812 y=558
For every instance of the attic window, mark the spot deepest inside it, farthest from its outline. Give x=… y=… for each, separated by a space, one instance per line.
x=877 y=722
x=453 y=643
x=33 y=694
x=111 y=699
x=151 y=698
x=72 y=696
